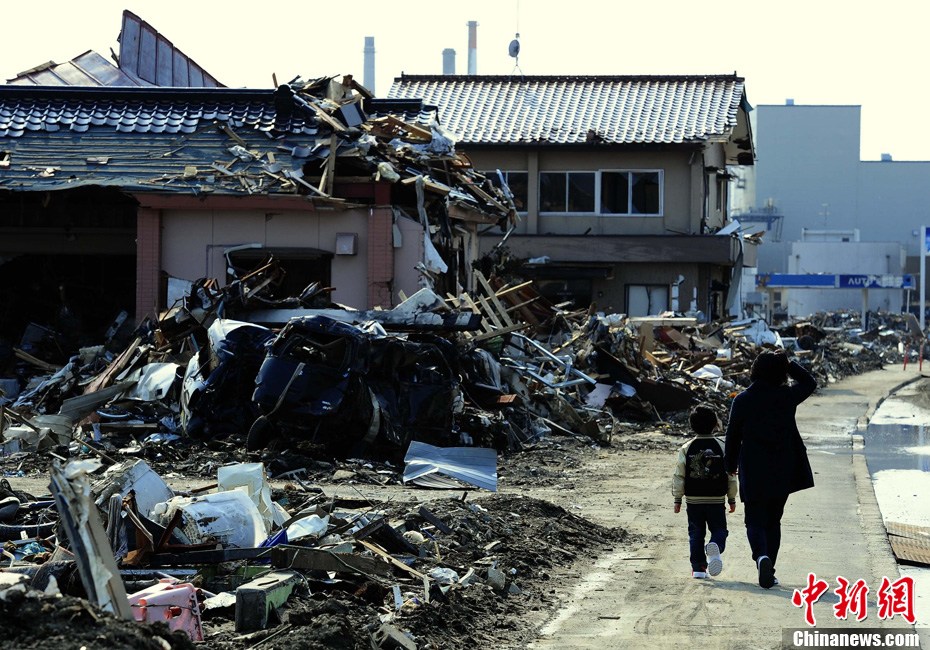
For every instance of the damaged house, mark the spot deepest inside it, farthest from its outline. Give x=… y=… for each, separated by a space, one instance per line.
x=621 y=181
x=108 y=195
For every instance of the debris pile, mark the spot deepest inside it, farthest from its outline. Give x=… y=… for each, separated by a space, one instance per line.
x=497 y=368
x=236 y=564
x=426 y=394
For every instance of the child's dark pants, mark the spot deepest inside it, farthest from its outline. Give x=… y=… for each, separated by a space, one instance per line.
x=702 y=517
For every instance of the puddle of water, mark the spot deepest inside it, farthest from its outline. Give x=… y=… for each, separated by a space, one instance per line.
x=897 y=447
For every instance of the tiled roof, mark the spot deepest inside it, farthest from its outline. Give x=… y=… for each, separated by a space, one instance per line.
x=578 y=110
x=145 y=138
x=133 y=112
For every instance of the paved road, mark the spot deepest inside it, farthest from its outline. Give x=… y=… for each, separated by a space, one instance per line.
x=645 y=598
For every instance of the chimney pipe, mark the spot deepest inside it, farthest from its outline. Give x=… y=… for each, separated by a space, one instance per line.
x=369 y=68
x=472 y=47
x=448 y=61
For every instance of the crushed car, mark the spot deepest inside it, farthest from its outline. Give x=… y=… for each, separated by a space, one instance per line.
x=346 y=388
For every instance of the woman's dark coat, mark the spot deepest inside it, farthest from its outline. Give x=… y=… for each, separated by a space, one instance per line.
x=763 y=440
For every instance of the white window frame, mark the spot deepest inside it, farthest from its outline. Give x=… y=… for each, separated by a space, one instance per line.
x=597 y=192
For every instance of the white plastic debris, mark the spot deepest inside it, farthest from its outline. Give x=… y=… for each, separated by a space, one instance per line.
x=312 y=526
x=251 y=477
x=230 y=518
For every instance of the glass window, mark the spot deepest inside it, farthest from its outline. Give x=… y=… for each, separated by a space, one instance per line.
x=519 y=186
x=602 y=192
x=615 y=192
x=645 y=194
x=567 y=191
x=552 y=191
x=581 y=192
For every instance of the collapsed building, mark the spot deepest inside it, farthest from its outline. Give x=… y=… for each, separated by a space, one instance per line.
x=113 y=197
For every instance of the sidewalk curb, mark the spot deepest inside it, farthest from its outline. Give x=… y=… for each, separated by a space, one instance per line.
x=882 y=559
x=865 y=418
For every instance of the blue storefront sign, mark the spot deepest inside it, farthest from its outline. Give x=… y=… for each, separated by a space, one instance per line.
x=875 y=282
x=831 y=281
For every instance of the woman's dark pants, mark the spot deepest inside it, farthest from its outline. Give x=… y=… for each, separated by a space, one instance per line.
x=763 y=527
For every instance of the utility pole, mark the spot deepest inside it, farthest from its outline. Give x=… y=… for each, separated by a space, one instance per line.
x=924 y=235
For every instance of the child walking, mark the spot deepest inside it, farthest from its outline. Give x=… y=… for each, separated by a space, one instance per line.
x=701 y=478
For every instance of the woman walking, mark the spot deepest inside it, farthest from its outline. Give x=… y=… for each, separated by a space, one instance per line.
x=764 y=446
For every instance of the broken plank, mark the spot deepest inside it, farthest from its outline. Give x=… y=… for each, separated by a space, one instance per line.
x=234 y=136
x=331 y=163
x=117 y=366
x=492 y=297
x=293 y=557
x=38 y=363
x=504 y=330
x=414 y=132
x=431 y=517
x=522 y=304
x=477 y=310
x=503 y=291
x=377 y=550
x=489 y=312
x=206 y=557
x=335 y=124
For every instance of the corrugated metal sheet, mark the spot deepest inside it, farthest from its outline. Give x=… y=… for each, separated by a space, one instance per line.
x=146 y=58
x=579 y=110
x=87 y=69
x=150 y=57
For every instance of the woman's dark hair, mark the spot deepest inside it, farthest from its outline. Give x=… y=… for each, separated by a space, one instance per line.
x=770 y=366
x=703 y=419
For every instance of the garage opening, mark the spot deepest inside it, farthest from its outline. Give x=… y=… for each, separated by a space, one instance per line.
x=67 y=268
x=301 y=266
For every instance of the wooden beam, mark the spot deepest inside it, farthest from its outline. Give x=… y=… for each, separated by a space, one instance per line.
x=291 y=557
x=492 y=297
x=500 y=332
x=503 y=291
x=377 y=550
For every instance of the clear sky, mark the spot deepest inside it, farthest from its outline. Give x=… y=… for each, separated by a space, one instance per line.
x=813 y=51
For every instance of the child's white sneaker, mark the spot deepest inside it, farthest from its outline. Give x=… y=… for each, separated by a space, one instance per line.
x=714 y=561
x=699 y=574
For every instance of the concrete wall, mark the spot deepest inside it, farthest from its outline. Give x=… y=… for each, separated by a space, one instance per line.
x=808 y=162
x=193 y=243
x=893 y=202
x=844 y=257
x=408 y=251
